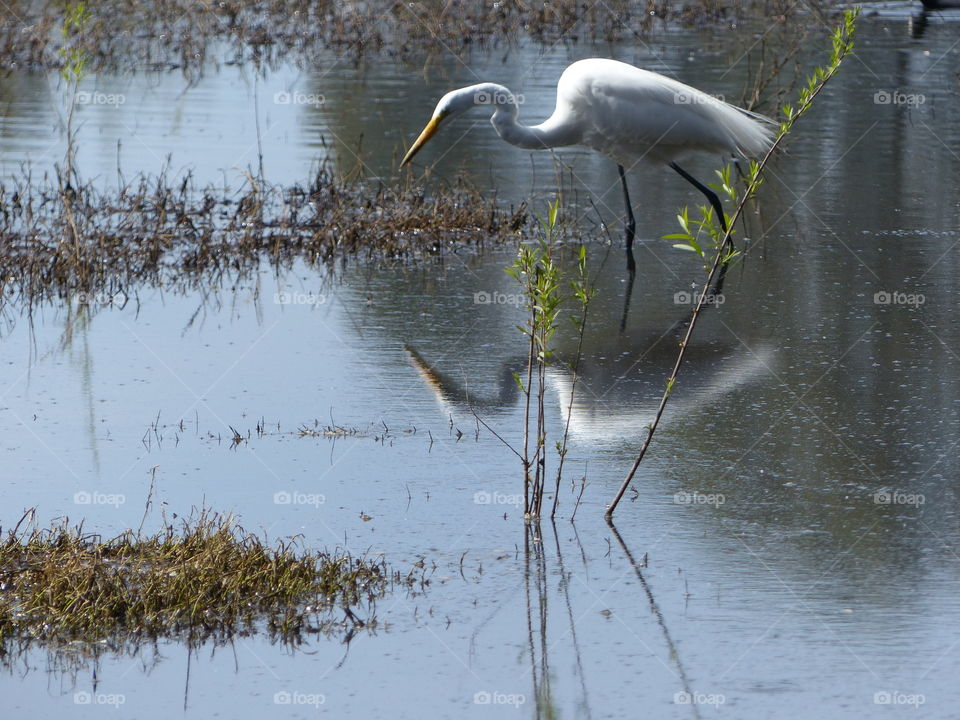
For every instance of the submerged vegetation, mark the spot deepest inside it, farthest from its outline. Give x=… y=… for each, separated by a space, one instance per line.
x=203 y=580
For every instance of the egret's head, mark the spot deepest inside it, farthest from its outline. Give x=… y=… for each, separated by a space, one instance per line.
x=453 y=103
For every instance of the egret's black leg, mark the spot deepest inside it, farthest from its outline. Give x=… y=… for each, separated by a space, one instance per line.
x=718 y=283
x=707 y=192
x=631 y=224
x=718 y=209
x=626 y=298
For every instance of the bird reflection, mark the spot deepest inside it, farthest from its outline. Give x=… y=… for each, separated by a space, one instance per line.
x=603 y=398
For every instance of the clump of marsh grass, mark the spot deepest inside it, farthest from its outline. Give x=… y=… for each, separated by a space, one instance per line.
x=205 y=579
x=155 y=231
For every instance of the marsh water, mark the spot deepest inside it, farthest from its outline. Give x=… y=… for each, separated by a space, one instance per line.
x=791 y=549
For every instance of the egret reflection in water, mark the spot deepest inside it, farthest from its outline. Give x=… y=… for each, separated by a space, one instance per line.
x=603 y=399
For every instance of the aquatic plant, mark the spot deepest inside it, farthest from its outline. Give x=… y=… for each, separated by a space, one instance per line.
x=74 y=59
x=541 y=280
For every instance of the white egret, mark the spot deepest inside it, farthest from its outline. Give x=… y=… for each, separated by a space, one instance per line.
x=624 y=112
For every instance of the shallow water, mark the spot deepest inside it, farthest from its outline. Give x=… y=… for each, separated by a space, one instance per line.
x=796 y=518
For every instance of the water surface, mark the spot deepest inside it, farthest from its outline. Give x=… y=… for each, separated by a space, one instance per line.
x=791 y=547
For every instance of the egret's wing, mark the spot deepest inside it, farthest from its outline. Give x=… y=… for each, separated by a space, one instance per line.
x=634 y=114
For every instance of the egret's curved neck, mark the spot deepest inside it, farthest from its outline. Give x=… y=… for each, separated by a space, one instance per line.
x=549 y=134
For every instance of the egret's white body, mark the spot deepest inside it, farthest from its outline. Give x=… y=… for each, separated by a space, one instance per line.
x=622 y=111
x=630 y=114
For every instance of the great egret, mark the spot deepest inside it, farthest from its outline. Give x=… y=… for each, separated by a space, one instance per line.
x=624 y=112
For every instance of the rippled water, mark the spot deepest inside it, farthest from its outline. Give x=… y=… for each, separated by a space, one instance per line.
x=791 y=548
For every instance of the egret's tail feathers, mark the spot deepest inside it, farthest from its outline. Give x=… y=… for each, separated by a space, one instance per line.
x=752 y=133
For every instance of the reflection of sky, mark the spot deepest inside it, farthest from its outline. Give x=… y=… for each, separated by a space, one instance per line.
x=797 y=553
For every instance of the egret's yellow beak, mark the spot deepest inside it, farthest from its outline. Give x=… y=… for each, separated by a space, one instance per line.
x=428 y=132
